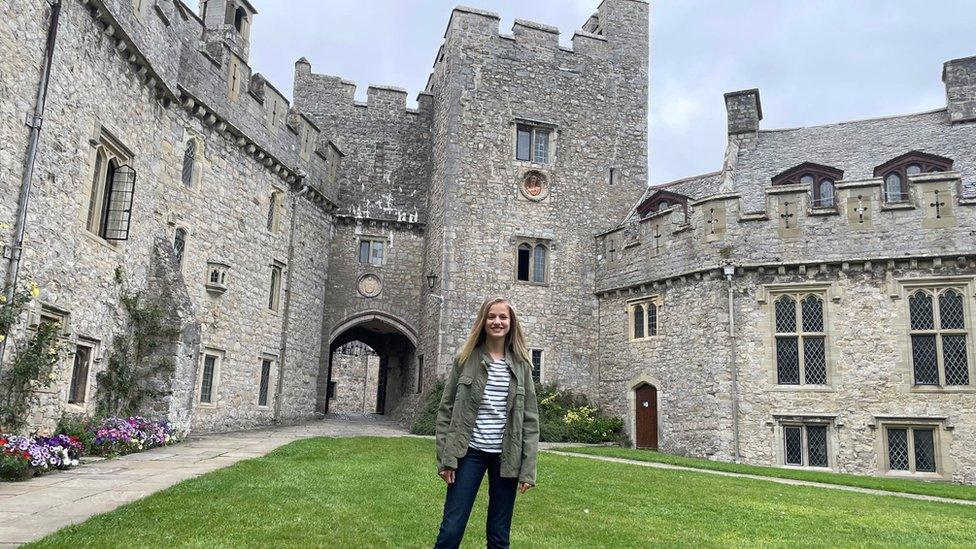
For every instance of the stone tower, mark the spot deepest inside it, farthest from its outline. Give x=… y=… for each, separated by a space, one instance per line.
x=519 y=152
x=229 y=21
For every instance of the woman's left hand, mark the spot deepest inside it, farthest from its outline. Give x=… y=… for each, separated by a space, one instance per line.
x=524 y=487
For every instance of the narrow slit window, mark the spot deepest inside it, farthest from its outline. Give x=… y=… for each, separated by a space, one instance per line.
x=265 y=379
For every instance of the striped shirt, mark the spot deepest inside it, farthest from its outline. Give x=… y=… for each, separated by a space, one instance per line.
x=490 y=425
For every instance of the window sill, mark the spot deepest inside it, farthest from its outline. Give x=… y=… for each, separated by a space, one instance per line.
x=803 y=389
x=102 y=242
x=646 y=339
x=206 y=405
x=530 y=283
x=936 y=389
x=823 y=211
x=533 y=165
x=75 y=407
x=890 y=206
x=914 y=476
x=808 y=468
x=218 y=289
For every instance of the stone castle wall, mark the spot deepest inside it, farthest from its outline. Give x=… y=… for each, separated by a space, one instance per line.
x=104 y=86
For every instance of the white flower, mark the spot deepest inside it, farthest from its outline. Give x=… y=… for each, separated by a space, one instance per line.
x=52 y=376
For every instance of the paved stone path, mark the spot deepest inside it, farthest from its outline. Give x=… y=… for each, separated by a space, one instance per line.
x=33 y=509
x=770 y=479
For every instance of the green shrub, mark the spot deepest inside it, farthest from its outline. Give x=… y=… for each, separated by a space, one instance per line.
x=565 y=416
x=78 y=425
x=426 y=423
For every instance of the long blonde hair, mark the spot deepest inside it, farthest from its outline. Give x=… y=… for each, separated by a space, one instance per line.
x=514 y=339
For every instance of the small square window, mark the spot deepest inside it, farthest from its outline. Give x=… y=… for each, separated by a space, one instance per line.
x=371 y=251
x=532 y=143
x=805 y=445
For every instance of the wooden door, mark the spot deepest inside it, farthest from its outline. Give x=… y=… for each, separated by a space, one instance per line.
x=647 y=417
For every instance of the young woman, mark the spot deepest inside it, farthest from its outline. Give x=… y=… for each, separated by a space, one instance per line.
x=488 y=421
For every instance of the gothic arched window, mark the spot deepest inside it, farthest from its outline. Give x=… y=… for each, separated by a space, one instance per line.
x=895 y=172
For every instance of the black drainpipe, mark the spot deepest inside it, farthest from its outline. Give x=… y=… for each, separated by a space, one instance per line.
x=34 y=120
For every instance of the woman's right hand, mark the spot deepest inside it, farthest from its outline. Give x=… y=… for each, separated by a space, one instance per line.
x=447 y=475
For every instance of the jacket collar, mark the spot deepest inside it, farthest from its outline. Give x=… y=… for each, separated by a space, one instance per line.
x=509 y=360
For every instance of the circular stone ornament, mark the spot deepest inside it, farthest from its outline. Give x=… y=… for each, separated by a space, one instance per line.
x=534 y=185
x=370 y=285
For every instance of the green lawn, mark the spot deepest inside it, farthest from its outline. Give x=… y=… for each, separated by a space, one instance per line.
x=941 y=489
x=372 y=492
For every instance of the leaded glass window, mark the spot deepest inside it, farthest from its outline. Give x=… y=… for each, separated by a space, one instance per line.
x=801 y=346
x=638 y=321
x=643 y=318
x=265 y=379
x=539 y=264
x=179 y=244
x=206 y=385
x=912 y=449
x=537 y=365
x=939 y=337
x=805 y=445
x=189 y=162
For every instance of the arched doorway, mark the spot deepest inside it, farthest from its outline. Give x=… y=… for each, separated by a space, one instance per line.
x=646 y=432
x=381 y=348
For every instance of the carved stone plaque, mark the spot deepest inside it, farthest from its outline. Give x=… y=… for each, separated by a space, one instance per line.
x=370 y=285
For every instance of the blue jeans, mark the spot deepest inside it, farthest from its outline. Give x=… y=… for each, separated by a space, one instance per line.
x=460 y=498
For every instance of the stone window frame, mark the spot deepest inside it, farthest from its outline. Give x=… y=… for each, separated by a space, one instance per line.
x=81 y=405
x=107 y=151
x=830 y=295
x=942 y=441
x=219 y=356
x=181 y=254
x=235 y=78
x=645 y=302
x=372 y=240
x=541 y=366
x=272 y=361
x=307 y=141
x=783 y=421
x=276 y=209
x=899 y=166
x=534 y=246
x=43 y=311
x=191 y=178
x=966 y=285
x=333 y=157
x=533 y=126
x=276 y=286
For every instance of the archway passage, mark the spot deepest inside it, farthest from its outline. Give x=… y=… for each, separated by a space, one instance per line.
x=380 y=349
x=646 y=414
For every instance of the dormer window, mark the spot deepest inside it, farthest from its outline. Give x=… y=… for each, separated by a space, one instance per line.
x=661 y=201
x=819 y=179
x=895 y=172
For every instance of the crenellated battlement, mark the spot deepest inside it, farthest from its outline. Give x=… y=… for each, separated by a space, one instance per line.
x=322 y=91
x=184 y=61
x=618 y=26
x=860 y=226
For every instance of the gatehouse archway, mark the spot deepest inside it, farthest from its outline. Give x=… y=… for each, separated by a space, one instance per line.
x=372 y=357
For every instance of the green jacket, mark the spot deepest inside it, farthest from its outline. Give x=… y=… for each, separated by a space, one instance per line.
x=459 y=409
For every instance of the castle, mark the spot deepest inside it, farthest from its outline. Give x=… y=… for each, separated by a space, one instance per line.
x=808 y=305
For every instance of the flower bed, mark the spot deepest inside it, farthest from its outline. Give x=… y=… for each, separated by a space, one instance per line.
x=25 y=456
x=119 y=436
x=22 y=457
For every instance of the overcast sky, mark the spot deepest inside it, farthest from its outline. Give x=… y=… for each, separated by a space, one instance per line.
x=814 y=62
